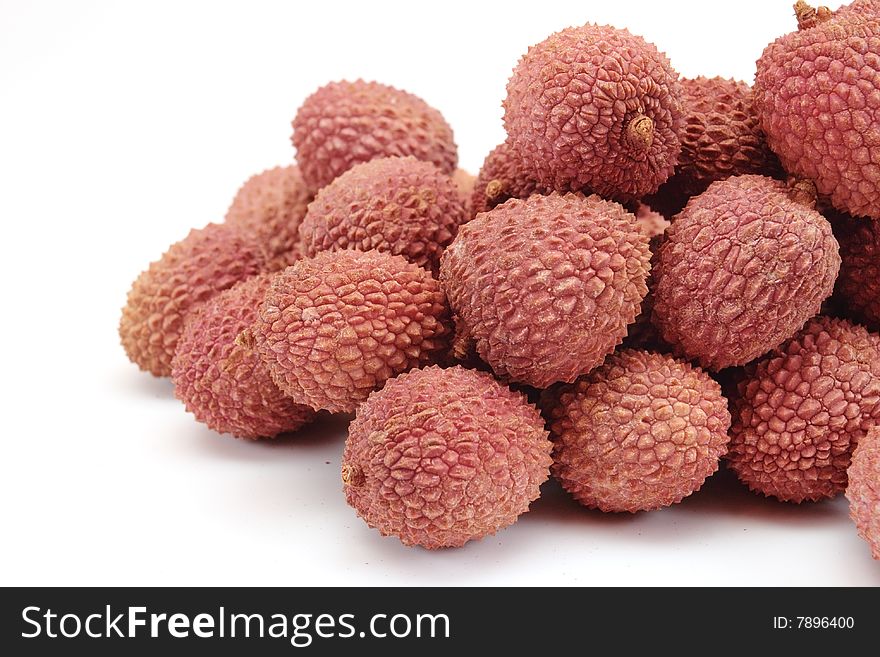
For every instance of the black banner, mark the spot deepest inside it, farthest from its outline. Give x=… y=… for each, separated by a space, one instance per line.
x=328 y=621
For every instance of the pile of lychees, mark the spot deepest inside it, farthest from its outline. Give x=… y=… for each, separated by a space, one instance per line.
x=649 y=275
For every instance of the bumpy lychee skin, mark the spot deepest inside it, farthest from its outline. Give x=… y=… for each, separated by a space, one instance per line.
x=545 y=287
x=335 y=327
x=722 y=138
x=192 y=271
x=800 y=411
x=860 y=6
x=639 y=433
x=344 y=123
x=858 y=285
x=742 y=267
x=398 y=205
x=441 y=457
x=596 y=107
x=271 y=205
x=817 y=93
x=224 y=384
x=863 y=489
x=503 y=176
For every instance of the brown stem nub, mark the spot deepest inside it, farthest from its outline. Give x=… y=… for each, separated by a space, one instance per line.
x=494 y=189
x=808 y=17
x=464 y=347
x=803 y=191
x=351 y=475
x=640 y=132
x=235 y=357
x=246 y=340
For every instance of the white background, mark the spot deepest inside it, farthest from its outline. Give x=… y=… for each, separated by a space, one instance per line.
x=124 y=125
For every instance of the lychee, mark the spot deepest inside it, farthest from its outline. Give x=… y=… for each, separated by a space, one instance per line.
x=817 y=93
x=544 y=287
x=641 y=432
x=722 y=138
x=597 y=108
x=271 y=205
x=344 y=123
x=799 y=411
x=224 y=384
x=863 y=489
x=398 y=205
x=335 y=327
x=441 y=457
x=741 y=269
x=192 y=271
x=503 y=176
x=858 y=285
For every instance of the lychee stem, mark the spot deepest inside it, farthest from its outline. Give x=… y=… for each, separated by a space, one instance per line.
x=640 y=132
x=494 y=189
x=803 y=191
x=808 y=17
x=462 y=343
x=351 y=476
x=246 y=340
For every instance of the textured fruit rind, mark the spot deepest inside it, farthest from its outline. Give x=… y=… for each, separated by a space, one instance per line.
x=503 y=176
x=800 y=411
x=192 y=271
x=271 y=205
x=344 y=123
x=722 y=137
x=817 y=93
x=742 y=268
x=639 y=433
x=575 y=104
x=546 y=286
x=860 y=6
x=858 y=284
x=335 y=327
x=440 y=457
x=397 y=205
x=863 y=489
x=224 y=384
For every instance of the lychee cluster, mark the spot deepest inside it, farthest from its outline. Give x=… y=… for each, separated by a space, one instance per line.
x=636 y=241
